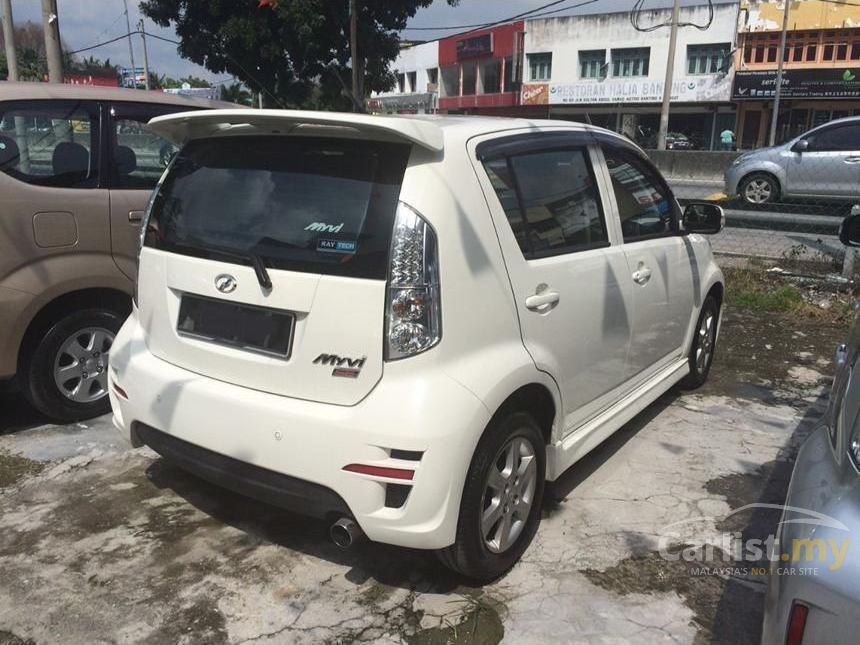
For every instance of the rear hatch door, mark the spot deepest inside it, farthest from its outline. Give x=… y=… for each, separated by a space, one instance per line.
x=265 y=258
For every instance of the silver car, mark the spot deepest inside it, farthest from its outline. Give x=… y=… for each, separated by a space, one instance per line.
x=813 y=593
x=822 y=163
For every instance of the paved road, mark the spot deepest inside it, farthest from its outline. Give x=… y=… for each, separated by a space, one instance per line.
x=790 y=231
x=102 y=543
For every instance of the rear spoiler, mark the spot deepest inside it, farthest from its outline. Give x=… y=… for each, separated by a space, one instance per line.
x=185 y=126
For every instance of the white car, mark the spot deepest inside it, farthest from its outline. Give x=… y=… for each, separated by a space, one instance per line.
x=407 y=325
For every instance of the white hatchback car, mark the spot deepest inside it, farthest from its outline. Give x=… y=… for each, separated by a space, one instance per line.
x=407 y=325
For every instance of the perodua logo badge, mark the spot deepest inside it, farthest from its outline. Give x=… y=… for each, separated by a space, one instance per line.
x=225 y=283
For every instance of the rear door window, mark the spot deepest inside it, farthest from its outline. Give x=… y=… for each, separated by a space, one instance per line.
x=138 y=155
x=50 y=143
x=551 y=201
x=315 y=205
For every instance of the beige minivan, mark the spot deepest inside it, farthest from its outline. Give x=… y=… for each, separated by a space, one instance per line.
x=77 y=166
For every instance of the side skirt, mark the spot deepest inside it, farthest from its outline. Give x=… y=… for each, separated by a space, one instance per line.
x=587 y=437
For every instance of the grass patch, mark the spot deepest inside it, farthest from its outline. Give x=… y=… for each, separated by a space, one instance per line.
x=752 y=289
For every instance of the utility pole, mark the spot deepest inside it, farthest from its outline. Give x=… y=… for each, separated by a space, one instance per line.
x=670 y=74
x=130 y=48
x=9 y=39
x=12 y=66
x=774 y=117
x=357 y=89
x=145 y=55
x=51 y=27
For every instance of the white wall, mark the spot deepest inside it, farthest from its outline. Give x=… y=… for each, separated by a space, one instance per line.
x=418 y=59
x=566 y=36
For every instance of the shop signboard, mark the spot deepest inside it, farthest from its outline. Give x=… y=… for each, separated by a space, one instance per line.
x=819 y=83
x=475 y=46
x=535 y=94
x=691 y=89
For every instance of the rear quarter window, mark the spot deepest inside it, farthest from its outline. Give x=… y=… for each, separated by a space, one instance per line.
x=315 y=205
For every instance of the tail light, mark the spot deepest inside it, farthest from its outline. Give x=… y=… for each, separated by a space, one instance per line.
x=413 y=316
x=144 y=226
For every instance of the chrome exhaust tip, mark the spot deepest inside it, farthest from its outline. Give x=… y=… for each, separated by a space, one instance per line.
x=345 y=532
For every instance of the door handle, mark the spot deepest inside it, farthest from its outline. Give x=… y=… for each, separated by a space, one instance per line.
x=542 y=299
x=852 y=159
x=641 y=276
x=135 y=217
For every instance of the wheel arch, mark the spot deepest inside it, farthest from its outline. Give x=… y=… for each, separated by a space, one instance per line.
x=537 y=400
x=52 y=311
x=718 y=290
x=773 y=173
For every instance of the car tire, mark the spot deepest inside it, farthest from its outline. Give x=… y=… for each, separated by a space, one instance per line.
x=759 y=188
x=703 y=346
x=485 y=555
x=59 y=361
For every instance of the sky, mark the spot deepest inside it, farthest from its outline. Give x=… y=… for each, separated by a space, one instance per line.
x=87 y=22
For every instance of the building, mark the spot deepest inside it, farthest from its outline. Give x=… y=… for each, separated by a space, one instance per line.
x=108 y=78
x=479 y=71
x=599 y=69
x=821 y=78
x=417 y=88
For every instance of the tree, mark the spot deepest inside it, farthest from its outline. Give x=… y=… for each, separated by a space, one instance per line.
x=296 y=53
x=29 y=50
x=236 y=93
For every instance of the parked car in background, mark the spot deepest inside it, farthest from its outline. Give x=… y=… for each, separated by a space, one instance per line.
x=674 y=141
x=77 y=166
x=822 y=514
x=823 y=163
x=407 y=325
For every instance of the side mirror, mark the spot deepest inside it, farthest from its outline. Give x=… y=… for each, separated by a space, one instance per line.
x=849 y=231
x=703 y=217
x=801 y=146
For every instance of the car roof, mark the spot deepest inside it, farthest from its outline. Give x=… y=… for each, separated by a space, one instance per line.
x=21 y=91
x=426 y=130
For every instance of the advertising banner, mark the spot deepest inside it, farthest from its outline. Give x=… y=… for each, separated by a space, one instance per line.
x=691 y=89
x=827 y=83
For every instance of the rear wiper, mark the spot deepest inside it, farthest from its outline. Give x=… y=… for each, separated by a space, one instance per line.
x=260 y=269
x=254 y=259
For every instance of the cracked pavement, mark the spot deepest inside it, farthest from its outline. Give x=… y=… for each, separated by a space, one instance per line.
x=101 y=543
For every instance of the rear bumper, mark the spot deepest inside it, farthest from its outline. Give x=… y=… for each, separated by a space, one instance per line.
x=266 y=485
x=13 y=306
x=292 y=452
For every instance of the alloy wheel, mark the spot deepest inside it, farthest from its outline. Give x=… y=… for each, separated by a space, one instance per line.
x=508 y=494
x=705 y=345
x=758 y=191
x=81 y=364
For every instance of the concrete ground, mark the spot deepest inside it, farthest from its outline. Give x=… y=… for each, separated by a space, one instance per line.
x=100 y=543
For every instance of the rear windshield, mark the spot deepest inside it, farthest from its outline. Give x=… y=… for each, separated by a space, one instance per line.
x=315 y=205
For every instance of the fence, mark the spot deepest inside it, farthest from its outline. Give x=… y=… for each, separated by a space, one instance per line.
x=767 y=219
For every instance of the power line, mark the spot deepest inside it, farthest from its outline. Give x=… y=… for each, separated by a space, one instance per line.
x=102 y=44
x=639 y=7
x=262 y=87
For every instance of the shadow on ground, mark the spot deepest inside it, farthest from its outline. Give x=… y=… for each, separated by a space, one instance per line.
x=16 y=414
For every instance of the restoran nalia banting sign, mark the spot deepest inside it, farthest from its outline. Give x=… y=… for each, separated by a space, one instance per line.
x=689 y=89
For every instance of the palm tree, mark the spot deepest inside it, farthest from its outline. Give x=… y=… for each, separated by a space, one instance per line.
x=236 y=93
